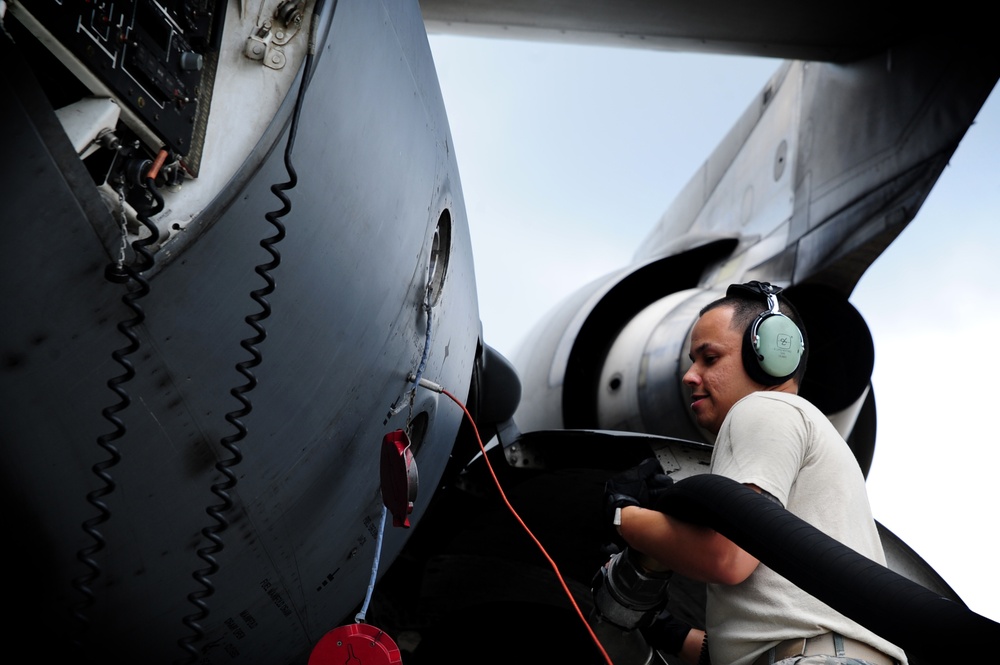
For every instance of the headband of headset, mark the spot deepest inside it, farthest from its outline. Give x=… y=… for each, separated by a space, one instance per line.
x=772 y=345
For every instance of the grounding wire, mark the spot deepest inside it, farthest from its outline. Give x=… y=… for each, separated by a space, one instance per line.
x=360 y=616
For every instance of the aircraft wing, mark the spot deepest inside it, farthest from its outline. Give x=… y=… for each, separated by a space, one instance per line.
x=779 y=28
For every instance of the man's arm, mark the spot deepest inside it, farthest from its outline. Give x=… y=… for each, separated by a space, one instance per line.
x=694 y=551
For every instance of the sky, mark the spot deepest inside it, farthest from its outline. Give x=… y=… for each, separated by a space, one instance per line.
x=568 y=157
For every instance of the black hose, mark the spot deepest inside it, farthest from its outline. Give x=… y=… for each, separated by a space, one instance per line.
x=921 y=622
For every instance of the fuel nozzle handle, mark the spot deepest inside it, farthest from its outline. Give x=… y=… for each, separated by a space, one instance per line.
x=630 y=590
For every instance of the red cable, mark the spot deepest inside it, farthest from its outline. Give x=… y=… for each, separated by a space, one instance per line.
x=562 y=582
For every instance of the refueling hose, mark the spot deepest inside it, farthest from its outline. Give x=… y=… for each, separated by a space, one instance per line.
x=924 y=624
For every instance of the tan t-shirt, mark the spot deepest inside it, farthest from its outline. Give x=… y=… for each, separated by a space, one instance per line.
x=787 y=447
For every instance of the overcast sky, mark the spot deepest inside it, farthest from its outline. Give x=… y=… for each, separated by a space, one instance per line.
x=568 y=157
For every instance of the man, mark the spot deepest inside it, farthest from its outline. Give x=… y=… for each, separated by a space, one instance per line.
x=748 y=356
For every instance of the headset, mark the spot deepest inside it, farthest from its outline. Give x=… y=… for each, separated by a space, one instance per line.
x=773 y=345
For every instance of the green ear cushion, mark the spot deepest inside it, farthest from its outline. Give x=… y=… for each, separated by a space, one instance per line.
x=779 y=345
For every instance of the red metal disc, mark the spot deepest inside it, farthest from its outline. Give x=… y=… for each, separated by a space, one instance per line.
x=355 y=644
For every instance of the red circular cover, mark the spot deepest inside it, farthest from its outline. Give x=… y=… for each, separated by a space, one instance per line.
x=357 y=644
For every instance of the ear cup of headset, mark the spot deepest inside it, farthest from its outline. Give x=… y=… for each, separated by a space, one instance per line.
x=775 y=356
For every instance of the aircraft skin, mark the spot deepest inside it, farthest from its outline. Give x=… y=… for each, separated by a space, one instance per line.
x=377 y=191
x=841 y=33
x=195 y=451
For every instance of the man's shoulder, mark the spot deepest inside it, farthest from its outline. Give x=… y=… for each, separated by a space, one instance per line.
x=766 y=396
x=771 y=401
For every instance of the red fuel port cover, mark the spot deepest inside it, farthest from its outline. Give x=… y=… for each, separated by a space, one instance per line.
x=356 y=644
x=399 y=477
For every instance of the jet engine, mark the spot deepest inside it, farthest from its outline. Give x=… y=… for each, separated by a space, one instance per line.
x=614 y=356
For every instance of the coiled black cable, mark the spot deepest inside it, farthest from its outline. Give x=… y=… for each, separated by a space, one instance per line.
x=221 y=489
x=123 y=274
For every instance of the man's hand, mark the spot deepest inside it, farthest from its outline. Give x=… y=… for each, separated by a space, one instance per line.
x=641 y=486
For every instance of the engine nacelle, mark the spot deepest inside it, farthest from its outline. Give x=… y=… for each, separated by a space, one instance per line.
x=602 y=364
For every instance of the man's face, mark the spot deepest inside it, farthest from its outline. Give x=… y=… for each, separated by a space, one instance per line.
x=716 y=378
